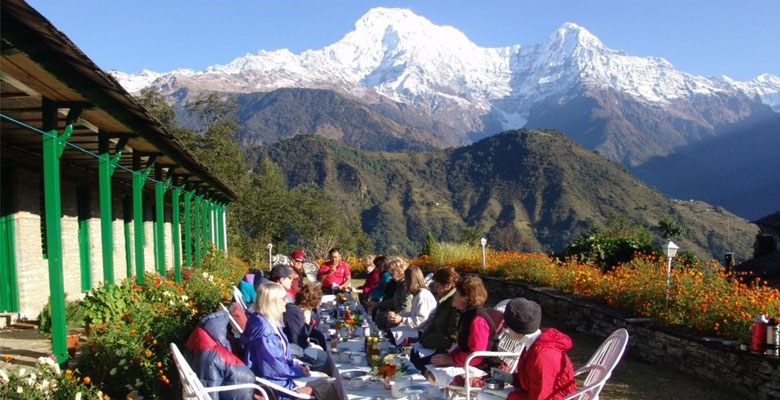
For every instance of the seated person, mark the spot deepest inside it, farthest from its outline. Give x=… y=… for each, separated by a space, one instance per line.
x=300 y=319
x=283 y=275
x=378 y=293
x=267 y=349
x=372 y=278
x=297 y=257
x=441 y=331
x=213 y=360
x=400 y=302
x=334 y=274
x=423 y=304
x=476 y=332
x=544 y=371
x=247 y=290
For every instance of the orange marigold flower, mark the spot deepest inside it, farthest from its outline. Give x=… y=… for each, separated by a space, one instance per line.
x=68 y=372
x=148 y=353
x=87 y=380
x=7 y=358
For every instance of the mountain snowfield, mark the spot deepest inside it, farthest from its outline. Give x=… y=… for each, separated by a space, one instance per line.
x=403 y=56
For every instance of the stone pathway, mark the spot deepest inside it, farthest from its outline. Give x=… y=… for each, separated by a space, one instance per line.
x=23 y=342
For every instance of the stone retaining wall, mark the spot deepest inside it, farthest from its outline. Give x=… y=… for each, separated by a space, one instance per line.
x=755 y=376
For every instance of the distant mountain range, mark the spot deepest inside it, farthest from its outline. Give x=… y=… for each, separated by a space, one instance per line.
x=429 y=86
x=528 y=190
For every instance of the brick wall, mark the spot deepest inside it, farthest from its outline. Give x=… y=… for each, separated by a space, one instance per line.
x=755 y=376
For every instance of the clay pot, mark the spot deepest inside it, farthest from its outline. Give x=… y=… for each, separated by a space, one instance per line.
x=72 y=340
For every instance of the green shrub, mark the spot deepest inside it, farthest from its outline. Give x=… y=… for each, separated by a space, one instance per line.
x=74 y=317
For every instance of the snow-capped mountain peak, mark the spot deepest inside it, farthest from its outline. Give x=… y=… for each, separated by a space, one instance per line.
x=398 y=54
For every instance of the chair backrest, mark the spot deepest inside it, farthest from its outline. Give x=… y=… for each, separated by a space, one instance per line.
x=239 y=297
x=508 y=343
x=429 y=280
x=192 y=388
x=310 y=269
x=501 y=306
x=233 y=323
x=600 y=366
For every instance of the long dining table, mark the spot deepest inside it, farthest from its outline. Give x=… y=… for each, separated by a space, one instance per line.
x=374 y=387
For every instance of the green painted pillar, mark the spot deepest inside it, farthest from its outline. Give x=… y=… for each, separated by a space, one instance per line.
x=210 y=223
x=187 y=230
x=127 y=216
x=139 y=179
x=83 y=202
x=159 y=221
x=9 y=286
x=175 y=193
x=197 y=235
x=106 y=165
x=53 y=146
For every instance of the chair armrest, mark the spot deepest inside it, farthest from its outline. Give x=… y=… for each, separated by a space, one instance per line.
x=467 y=365
x=589 y=368
x=236 y=386
x=283 y=390
x=585 y=389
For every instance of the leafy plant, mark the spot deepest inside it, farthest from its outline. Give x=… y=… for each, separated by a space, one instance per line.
x=74 y=317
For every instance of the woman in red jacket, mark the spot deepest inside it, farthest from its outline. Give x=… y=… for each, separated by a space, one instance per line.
x=544 y=370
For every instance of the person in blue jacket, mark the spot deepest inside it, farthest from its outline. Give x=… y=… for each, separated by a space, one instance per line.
x=267 y=349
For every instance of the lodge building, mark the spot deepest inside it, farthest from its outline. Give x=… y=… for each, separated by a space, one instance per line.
x=94 y=189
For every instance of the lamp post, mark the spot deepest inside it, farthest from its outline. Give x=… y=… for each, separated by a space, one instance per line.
x=483 y=242
x=671 y=251
x=270 y=248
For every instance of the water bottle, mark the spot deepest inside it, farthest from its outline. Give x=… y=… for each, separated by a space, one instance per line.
x=366 y=329
x=772 y=337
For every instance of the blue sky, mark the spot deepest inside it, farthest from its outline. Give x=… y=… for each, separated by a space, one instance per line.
x=740 y=39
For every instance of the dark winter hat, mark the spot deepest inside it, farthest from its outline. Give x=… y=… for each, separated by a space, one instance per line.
x=280 y=271
x=523 y=315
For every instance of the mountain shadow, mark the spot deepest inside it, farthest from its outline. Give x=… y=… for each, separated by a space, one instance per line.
x=739 y=169
x=284 y=113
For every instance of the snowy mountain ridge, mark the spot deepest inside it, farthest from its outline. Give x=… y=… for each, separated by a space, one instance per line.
x=403 y=56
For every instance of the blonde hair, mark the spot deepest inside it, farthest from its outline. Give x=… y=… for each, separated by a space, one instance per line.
x=396 y=266
x=271 y=301
x=367 y=261
x=415 y=281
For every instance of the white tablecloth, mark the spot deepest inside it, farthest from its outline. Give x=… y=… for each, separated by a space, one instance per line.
x=374 y=387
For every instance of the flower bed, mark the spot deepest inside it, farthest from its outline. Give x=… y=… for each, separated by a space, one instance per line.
x=703 y=297
x=46 y=381
x=131 y=326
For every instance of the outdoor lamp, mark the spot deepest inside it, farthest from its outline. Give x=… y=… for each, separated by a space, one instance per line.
x=671 y=251
x=270 y=248
x=483 y=242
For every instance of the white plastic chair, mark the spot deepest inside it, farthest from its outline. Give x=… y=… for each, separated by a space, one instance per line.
x=599 y=368
x=429 y=280
x=508 y=350
x=192 y=388
x=233 y=323
x=310 y=269
x=239 y=298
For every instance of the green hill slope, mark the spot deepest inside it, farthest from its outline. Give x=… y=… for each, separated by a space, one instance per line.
x=527 y=190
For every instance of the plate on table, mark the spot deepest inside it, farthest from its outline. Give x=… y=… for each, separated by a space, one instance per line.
x=354 y=374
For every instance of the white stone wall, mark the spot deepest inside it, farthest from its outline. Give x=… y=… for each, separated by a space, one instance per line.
x=32 y=268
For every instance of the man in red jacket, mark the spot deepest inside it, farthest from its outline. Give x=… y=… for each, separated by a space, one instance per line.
x=544 y=370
